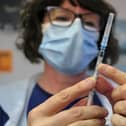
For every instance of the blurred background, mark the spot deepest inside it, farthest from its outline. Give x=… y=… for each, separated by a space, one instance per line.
x=14 y=66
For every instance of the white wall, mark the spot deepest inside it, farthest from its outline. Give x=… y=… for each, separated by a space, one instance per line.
x=120 y=6
x=21 y=66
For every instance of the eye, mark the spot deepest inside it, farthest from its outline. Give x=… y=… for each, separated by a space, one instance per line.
x=62 y=18
x=89 y=24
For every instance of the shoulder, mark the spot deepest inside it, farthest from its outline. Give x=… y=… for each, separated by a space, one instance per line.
x=11 y=92
x=14 y=91
x=14 y=96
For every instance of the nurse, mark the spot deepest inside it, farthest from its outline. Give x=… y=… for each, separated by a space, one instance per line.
x=65 y=35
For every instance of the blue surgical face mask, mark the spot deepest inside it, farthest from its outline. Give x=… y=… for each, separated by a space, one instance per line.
x=69 y=50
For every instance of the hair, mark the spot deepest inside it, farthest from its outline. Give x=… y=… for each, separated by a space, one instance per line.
x=32 y=16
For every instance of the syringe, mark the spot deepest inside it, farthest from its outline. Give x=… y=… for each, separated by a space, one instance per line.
x=101 y=53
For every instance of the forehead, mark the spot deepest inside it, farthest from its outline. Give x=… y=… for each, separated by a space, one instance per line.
x=74 y=6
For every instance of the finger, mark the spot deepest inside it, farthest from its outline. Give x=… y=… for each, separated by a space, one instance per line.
x=119 y=93
x=92 y=122
x=112 y=73
x=104 y=87
x=82 y=102
x=120 y=108
x=59 y=101
x=79 y=113
x=118 y=120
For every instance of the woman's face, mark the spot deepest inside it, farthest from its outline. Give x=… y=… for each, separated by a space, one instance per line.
x=68 y=12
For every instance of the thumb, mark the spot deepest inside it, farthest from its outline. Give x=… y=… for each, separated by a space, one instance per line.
x=104 y=87
x=112 y=73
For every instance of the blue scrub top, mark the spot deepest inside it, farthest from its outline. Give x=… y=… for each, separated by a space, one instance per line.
x=3 y=117
x=39 y=95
